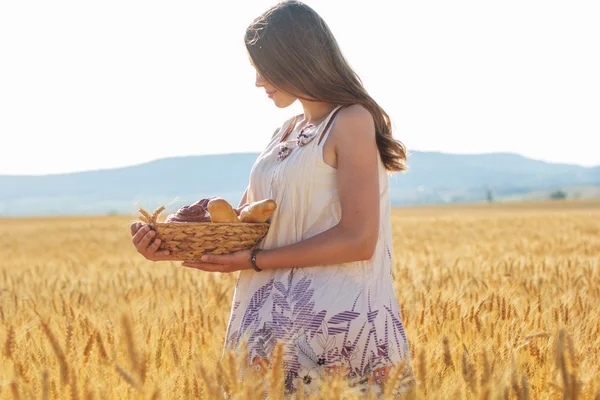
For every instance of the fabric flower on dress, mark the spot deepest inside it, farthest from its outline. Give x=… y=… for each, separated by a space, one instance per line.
x=307 y=134
x=284 y=152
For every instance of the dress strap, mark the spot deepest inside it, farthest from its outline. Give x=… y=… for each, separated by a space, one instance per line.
x=289 y=129
x=329 y=123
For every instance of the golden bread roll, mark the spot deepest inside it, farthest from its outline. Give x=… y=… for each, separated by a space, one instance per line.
x=258 y=212
x=221 y=211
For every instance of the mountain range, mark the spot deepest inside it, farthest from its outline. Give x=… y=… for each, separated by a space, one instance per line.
x=432 y=178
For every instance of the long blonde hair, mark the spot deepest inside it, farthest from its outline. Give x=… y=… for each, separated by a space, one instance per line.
x=293 y=49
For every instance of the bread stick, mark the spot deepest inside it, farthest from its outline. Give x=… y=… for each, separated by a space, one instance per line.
x=258 y=212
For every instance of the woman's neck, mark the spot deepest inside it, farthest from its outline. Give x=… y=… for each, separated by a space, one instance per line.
x=315 y=112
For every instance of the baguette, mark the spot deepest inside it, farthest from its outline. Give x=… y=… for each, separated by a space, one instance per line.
x=258 y=212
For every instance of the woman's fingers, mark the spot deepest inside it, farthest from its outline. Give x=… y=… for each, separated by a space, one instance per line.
x=145 y=242
x=204 y=266
x=240 y=208
x=163 y=253
x=135 y=227
x=154 y=246
x=139 y=235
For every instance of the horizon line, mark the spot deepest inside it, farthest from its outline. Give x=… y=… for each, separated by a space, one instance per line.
x=256 y=152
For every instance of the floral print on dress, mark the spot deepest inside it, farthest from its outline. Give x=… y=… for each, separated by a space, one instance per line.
x=319 y=346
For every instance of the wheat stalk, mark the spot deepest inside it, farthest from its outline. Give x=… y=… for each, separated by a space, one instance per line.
x=126 y=376
x=275 y=373
x=150 y=218
x=232 y=372
x=209 y=383
x=10 y=344
x=101 y=349
x=87 y=350
x=468 y=371
x=88 y=394
x=69 y=338
x=74 y=392
x=156 y=394
x=447 y=356
x=60 y=355
x=176 y=358
x=422 y=369
x=14 y=388
x=131 y=351
x=45 y=385
x=158 y=356
x=397 y=372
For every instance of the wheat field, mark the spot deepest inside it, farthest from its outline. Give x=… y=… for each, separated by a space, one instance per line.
x=498 y=301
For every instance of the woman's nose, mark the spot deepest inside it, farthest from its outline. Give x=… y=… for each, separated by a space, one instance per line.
x=260 y=81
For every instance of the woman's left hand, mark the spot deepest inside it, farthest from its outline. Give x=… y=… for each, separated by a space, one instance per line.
x=223 y=263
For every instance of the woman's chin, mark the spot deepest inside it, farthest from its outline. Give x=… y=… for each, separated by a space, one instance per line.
x=282 y=104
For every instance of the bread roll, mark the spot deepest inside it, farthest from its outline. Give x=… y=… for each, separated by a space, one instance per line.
x=258 y=212
x=221 y=211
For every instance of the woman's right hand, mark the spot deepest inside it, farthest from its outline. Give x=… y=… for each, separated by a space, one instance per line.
x=142 y=238
x=240 y=208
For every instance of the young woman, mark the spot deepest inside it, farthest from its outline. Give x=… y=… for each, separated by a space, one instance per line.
x=321 y=281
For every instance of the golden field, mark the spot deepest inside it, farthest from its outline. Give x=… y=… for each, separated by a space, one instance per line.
x=498 y=301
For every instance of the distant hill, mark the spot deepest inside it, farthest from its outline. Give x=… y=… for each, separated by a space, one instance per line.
x=432 y=178
x=439 y=177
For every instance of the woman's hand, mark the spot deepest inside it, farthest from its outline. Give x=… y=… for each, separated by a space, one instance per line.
x=142 y=238
x=223 y=263
x=240 y=208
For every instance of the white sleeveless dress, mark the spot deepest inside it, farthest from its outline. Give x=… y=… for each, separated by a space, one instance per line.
x=333 y=319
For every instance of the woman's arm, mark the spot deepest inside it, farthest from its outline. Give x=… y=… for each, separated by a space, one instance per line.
x=244 y=199
x=243 y=203
x=354 y=238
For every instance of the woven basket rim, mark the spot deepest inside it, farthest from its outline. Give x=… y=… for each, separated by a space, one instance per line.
x=213 y=223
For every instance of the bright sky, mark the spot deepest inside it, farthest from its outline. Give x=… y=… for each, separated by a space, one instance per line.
x=88 y=85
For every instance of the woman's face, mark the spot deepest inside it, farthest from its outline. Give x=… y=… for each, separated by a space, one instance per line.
x=279 y=97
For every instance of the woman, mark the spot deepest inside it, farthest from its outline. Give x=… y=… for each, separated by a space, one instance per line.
x=321 y=282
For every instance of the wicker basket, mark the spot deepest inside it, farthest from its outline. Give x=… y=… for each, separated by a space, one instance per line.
x=189 y=241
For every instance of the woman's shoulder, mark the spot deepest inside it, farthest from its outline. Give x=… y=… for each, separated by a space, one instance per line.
x=355 y=113
x=354 y=122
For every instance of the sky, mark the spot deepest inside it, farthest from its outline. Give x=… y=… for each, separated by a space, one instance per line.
x=93 y=85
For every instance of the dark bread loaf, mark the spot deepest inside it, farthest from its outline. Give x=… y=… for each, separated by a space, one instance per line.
x=197 y=212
